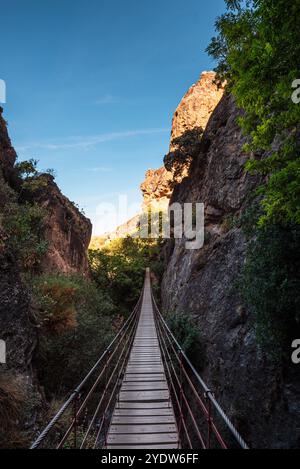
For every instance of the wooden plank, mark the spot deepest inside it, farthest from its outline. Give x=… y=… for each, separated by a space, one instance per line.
x=144 y=416
x=142 y=377
x=144 y=361
x=136 y=369
x=144 y=405
x=150 y=415
x=155 y=356
x=145 y=396
x=135 y=439
x=143 y=428
x=160 y=385
x=143 y=419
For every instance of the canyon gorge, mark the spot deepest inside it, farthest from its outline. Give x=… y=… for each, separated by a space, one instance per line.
x=261 y=397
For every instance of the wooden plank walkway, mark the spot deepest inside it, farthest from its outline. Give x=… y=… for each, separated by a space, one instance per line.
x=144 y=417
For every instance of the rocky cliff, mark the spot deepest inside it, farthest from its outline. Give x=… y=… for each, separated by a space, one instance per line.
x=68 y=233
x=196 y=107
x=17 y=380
x=260 y=397
x=193 y=111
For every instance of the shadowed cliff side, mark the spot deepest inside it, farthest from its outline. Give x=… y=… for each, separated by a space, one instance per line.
x=261 y=397
x=17 y=379
x=66 y=232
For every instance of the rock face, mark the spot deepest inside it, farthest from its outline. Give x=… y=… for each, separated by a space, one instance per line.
x=7 y=153
x=197 y=105
x=193 y=111
x=67 y=231
x=156 y=188
x=16 y=328
x=262 y=399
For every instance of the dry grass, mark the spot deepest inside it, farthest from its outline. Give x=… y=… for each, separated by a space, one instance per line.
x=12 y=399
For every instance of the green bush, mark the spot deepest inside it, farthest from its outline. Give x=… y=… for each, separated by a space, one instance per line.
x=76 y=324
x=119 y=269
x=185 y=149
x=270 y=287
x=24 y=225
x=259 y=55
x=23 y=221
x=185 y=332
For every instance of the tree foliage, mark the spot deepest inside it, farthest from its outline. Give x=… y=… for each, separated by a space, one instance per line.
x=185 y=148
x=119 y=268
x=270 y=285
x=23 y=222
x=76 y=322
x=258 y=53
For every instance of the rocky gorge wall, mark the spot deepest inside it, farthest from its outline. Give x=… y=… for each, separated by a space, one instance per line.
x=194 y=110
x=261 y=398
x=68 y=234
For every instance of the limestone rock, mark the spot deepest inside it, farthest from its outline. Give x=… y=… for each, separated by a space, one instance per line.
x=261 y=398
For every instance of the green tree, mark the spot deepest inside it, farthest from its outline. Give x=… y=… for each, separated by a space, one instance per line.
x=76 y=322
x=258 y=53
x=185 y=148
x=120 y=268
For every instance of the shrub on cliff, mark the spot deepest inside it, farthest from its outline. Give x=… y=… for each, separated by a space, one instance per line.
x=187 y=334
x=258 y=53
x=258 y=50
x=23 y=221
x=76 y=324
x=185 y=148
x=270 y=287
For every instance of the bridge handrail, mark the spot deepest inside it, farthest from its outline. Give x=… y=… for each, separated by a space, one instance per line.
x=205 y=389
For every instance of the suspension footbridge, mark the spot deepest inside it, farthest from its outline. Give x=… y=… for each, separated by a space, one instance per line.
x=143 y=393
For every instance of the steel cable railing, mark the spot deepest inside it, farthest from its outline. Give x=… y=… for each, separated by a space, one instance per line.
x=83 y=420
x=195 y=406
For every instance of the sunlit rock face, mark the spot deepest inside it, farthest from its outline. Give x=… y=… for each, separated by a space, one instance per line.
x=196 y=107
x=67 y=231
x=193 y=111
x=156 y=188
x=261 y=398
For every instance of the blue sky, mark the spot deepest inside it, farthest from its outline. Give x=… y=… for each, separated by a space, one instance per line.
x=92 y=86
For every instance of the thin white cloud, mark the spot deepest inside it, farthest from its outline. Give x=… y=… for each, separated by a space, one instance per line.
x=100 y=169
x=107 y=99
x=81 y=142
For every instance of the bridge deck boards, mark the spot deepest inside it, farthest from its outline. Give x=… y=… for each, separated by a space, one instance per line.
x=144 y=416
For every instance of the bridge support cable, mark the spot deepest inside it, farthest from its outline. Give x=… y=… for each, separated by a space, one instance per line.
x=71 y=424
x=144 y=393
x=143 y=416
x=197 y=410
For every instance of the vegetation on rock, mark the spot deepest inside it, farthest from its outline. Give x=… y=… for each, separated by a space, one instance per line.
x=258 y=53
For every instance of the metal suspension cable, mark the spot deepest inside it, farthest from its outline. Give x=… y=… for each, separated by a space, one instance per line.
x=169 y=374
x=207 y=392
x=198 y=432
x=125 y=347
x=76 y=393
